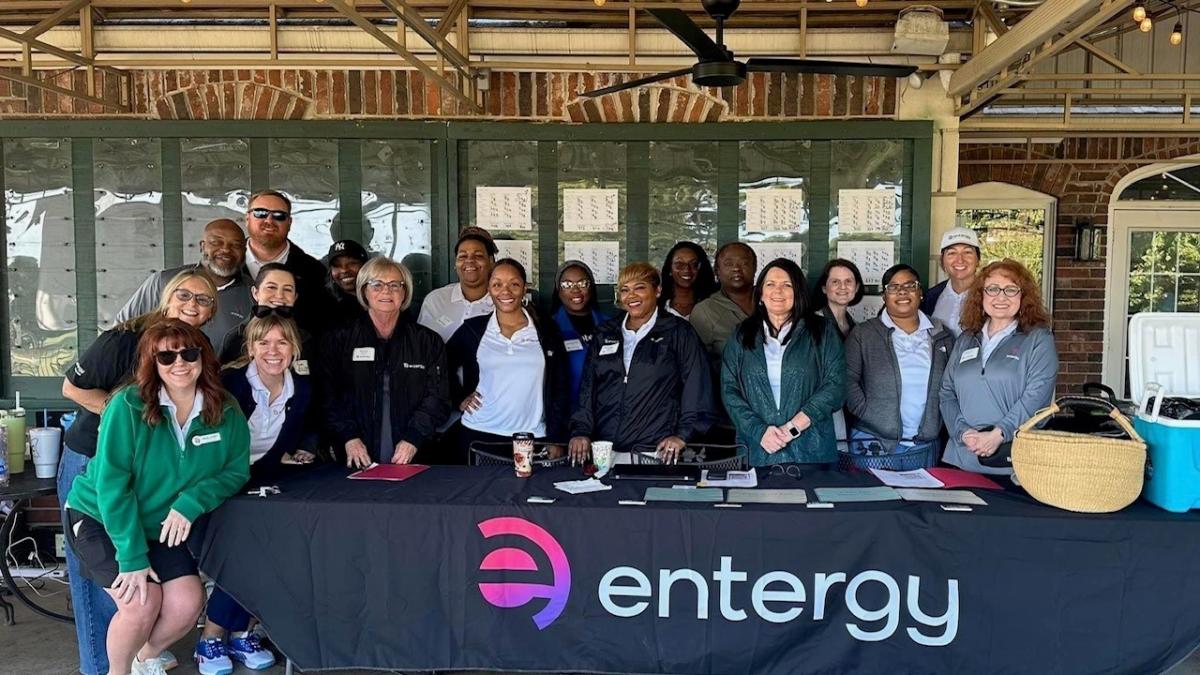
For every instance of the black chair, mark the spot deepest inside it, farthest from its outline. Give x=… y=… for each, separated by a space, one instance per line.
x=703 y=455
x=500 y=454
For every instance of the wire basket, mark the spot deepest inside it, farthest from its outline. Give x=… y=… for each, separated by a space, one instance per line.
x=705 y=456
x=500 y=454
x=919 y=457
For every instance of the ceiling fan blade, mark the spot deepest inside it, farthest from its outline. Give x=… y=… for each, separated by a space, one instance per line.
x=677 y=21
x=774 y=65
x=637 y=83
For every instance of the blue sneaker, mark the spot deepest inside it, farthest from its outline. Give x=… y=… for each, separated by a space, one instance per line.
x=212 y=658
x=246 y=649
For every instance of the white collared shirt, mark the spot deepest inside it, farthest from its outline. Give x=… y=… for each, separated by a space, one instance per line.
x=949 y=308
x=511 y=377
x=671 y=310
x=631 y=338
x=180 y=430
x=773 y=349
x=445 y=309
x=254 y=264
x=267 y=419
x=914 y=355
x=989 y=344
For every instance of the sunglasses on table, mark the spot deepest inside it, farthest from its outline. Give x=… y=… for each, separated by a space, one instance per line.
x=787 y=470
x=202 y=299
x=168 y=357
x=282 y=311
x=278 y=216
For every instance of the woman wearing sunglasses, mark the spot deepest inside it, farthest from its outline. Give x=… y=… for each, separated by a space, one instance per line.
x=894 y=366
x=191 y=297
x=1003 y=366
x=277 y=402
x=514 y=369
x=274 y=293
x=172 y=447
x=386 y=386
x=783 y=374
x=577 y=316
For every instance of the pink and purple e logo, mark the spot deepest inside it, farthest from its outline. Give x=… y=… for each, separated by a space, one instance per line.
x=513 y=594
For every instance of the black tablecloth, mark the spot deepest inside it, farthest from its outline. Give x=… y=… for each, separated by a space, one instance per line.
x=348 y=573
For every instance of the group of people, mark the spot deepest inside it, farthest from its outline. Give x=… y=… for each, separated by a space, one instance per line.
x=259 y=357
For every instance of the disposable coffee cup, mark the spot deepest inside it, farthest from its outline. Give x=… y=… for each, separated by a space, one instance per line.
x=47 y=444
x=602 y=454
x=523 y=454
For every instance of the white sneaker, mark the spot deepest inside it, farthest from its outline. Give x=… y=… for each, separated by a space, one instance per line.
x=147 y=667
x=212 y=658
x=166 y=659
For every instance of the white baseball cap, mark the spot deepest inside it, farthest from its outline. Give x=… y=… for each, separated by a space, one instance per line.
x=959 y=235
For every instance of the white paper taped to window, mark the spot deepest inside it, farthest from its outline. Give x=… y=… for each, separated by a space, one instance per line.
x=873 y=258
x=590 y=210
x=768 y=251
x=520 y=250
x=504 y=208
x=869 y=211
x=774 y=210
x=603 y=257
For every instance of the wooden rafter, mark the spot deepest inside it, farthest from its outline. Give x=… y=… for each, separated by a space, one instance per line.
x=56 y=18
x=453 y=10
x=409 y=17
x=1106 y=56
x=374 y=31
x=991 y=19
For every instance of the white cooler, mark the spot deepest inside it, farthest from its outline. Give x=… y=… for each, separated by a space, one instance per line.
x=1164 y=361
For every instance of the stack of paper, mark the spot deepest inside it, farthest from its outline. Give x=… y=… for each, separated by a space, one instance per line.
x=579 y=487
x=684 y=494
x=919 y=478
x=774 y=496
x=941 y=496
x=733 y=479
x=857 y=494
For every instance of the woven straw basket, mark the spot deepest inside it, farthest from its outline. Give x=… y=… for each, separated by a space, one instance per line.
x=1079 y=472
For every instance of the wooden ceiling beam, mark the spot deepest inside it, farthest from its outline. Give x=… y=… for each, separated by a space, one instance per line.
x=56 y=18
x=453 y=10
x=1106 y=56
x=409 y=17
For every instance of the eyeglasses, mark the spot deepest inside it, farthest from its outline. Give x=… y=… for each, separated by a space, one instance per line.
x=281 y=311
x=378 y=286
x=185 y=296
x=581 y=285
x=278 y=216
x=897 y=289
x=168 y=357
x=1008 y=291
x=785 y=470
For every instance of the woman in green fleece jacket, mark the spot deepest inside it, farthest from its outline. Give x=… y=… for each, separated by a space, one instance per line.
x=784 y=374
x=172 y=446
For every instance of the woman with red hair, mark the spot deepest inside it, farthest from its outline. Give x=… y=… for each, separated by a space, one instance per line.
x=172 y=446
x=1002 y=369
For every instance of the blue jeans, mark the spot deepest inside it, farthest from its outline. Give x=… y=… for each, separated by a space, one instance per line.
x=93 y=607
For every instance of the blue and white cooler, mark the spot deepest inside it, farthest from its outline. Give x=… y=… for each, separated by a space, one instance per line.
x=1164 y=362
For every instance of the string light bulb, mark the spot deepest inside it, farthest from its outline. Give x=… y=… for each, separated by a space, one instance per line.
x=599 y=3
x=1177 y=34
x=1139 y=12
x=861 y=3
x=1146 y=25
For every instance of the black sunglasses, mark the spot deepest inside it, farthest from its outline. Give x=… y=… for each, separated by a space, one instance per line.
x=278 y=216
x=282 y=311
x=168 y=357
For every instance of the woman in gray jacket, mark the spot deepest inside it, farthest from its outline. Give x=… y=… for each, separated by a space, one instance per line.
x=894 y=366
x=1003 y=366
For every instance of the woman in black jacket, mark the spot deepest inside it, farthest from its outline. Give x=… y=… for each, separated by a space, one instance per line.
x=385 y=382
x=646 y=380
x=514 y=368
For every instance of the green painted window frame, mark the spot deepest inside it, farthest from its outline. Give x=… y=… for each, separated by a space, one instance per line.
x=445 y=137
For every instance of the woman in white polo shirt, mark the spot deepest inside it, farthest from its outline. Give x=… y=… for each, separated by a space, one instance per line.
x=516 y=377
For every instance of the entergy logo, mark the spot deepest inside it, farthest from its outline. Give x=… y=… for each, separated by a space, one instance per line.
x=509 y=594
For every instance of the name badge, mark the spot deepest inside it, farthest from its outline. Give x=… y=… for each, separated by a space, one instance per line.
x=300 y=366
x=206 y=438
x=969 y=354
x=444 y=321
x=368 y=354
x=573 y=345
x=609 y=349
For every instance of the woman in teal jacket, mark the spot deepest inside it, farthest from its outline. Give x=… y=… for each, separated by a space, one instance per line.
x=784 y=374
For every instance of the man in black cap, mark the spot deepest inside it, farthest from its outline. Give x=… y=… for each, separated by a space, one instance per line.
x=344 y=259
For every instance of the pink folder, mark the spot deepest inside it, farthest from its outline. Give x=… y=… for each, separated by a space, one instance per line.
x=389 y=472
x=957 y=478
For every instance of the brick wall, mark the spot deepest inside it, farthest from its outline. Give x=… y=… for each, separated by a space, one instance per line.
x=1084 y=186
x=389 y=94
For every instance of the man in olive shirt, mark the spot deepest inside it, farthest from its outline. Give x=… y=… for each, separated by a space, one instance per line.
x=716 y=317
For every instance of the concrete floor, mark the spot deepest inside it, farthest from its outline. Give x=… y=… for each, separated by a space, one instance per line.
x=39 y=646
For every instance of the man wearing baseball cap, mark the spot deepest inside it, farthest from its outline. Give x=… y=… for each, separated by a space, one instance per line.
x=960 y=261
x=343 y=261
x=445 y=309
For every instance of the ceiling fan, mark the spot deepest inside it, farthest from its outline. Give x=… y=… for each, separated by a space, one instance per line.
x=716 y=66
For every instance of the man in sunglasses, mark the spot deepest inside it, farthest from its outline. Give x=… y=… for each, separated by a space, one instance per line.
x=344 y=259
x=222 y=258
x=269 y=222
